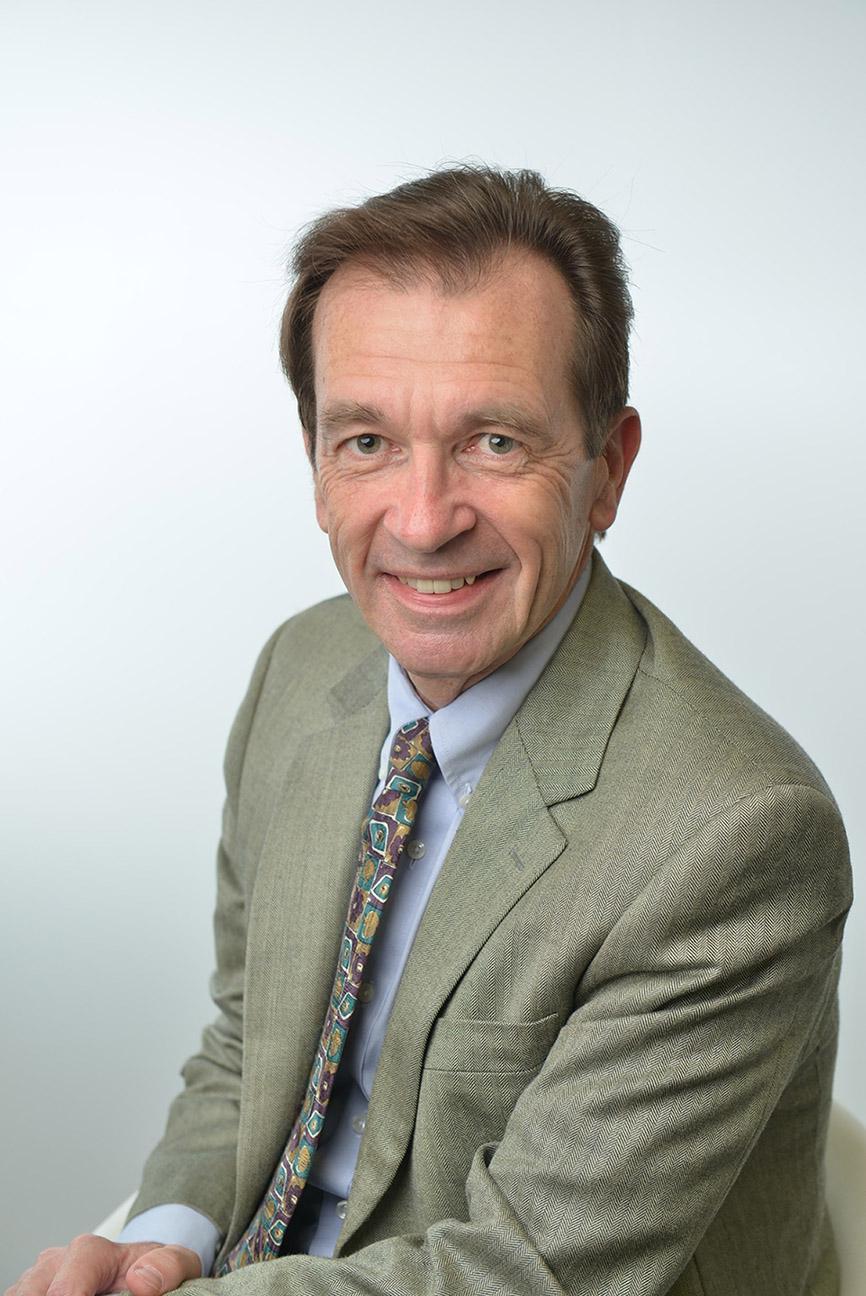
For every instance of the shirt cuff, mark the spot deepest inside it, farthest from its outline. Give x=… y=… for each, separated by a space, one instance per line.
x=176 y=1225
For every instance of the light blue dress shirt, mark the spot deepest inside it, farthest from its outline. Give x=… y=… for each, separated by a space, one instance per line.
x=463 y=734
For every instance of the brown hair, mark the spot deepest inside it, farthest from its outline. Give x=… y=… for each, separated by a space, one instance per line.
x=457 y=223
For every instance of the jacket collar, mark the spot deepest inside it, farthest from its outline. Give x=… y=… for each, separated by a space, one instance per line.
x=567 y=719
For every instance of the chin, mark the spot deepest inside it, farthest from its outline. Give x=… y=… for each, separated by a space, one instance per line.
x=436 y=666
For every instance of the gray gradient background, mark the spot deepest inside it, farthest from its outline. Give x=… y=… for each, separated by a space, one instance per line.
x=156 y=507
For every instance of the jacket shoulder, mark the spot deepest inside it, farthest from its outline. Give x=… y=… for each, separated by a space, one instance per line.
x=322 y=641
x=323 y=657
x=721 y=723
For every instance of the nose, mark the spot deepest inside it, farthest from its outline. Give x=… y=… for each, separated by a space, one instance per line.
x=429 y=507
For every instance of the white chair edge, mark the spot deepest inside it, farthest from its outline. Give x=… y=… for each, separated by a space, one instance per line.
x=113 y=1223
x=846 y=1197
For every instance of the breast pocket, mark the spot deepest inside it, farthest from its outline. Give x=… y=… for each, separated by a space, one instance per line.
x=474 y=1072
x=501 y=1047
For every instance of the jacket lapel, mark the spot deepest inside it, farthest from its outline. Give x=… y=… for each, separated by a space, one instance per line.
x=552 y=751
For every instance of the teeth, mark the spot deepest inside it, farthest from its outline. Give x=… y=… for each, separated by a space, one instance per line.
x=438 y=586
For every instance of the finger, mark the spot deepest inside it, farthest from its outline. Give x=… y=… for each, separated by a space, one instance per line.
x=162 y=1270
x=34 y=1281
x=86 y=1266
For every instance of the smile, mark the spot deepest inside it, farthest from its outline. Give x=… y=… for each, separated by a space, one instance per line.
x=443 y=586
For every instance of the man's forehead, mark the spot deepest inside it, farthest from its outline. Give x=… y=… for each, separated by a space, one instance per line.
x=499 y=353
x=516 y=315
x=529 y=280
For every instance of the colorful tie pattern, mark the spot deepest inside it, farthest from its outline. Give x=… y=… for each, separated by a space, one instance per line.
x=385 y=833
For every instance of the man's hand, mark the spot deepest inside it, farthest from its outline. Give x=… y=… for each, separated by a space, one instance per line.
x=90 y=1265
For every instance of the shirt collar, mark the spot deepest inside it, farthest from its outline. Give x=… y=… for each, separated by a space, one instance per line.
x=465 y=732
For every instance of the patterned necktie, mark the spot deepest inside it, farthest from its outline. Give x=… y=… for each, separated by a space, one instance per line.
x=386 y=830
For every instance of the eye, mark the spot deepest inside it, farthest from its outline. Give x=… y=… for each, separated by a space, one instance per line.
x=500 y=444
x=368 y=443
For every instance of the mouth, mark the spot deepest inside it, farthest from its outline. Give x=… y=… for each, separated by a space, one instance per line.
x=451 y=591
x=438 y=585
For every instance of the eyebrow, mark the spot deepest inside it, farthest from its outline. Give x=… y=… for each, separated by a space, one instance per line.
x=510 y=415
x=349 y=413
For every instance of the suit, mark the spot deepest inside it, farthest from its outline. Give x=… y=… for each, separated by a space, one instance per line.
x=609 y=1064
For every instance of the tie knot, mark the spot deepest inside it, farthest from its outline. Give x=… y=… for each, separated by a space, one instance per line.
x=412 y=751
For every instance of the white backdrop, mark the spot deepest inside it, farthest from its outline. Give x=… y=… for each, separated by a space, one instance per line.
x=156 y=520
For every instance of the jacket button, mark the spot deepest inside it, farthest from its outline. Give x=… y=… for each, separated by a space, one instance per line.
x=365 y=991
x=359 y=1124
x=341 y=1208
x=415 y=850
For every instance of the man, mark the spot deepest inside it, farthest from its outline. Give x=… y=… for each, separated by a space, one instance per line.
x=581 y=1032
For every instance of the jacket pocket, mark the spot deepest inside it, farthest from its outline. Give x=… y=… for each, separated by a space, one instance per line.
x=505 y=1047
x=474 y=1073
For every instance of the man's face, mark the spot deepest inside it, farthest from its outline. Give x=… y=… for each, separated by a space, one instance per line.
x=450 y=471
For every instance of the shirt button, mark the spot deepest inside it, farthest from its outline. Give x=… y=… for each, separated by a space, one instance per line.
x=416 y=849
x=341 y=1208
x=359 y=1124
x=365 y=991
x=465 y=794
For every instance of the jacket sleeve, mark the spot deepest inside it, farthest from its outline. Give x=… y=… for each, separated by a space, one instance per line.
x=194 y=1163
x=709 y=992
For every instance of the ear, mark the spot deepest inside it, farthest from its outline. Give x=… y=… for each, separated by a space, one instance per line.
x=321 y=509
x=614 y=465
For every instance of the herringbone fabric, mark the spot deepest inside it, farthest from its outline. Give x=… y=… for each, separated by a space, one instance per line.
x=385 y=832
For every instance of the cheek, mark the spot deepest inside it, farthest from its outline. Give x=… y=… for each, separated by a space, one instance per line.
x=331 y=502
x=560 y=535
x=348 y=516
x=574 y=508
x=555 y=523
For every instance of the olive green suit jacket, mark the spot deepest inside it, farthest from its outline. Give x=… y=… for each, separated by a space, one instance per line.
x=608 y=1067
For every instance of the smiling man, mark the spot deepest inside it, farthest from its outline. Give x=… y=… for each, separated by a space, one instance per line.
x=528 y=921
x=452 y=474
